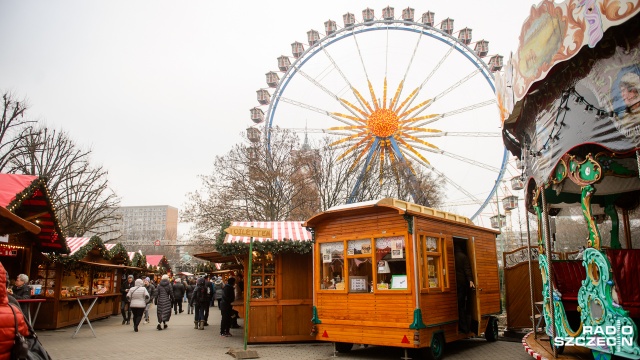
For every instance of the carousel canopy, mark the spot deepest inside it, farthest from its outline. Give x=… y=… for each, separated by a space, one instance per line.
x=27 y=196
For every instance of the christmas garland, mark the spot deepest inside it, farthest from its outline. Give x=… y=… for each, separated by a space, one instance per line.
x=139 y=260
x=94 y=243
x=120 y=250
x=27 y=193
x=272 y=246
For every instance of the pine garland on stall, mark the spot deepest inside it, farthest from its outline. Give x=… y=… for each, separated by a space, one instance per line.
x=139 y=260
x=120 y=250
x=72 y=260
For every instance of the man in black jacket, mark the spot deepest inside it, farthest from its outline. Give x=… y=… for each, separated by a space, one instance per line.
x=209 y=286
x=124 y=303
x=178 y=294
x=226 y=308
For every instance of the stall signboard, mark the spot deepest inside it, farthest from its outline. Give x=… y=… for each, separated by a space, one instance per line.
x=249 y=231
x=8 y=252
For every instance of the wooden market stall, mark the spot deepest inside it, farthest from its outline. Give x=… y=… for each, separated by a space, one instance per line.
x=281 y=288
x=24 y=199
x=384 y=274
x=158 y=265
x=90 y=269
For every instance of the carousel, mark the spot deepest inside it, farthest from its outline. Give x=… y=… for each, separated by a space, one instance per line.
x=570 y=106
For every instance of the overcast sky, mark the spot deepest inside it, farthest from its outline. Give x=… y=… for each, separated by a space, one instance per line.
x=158 y=88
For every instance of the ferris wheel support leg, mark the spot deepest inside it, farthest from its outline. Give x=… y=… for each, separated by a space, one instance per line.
x=354 y=192
x=410 y=176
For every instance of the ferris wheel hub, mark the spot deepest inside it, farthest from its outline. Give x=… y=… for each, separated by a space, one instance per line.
x=383 y=123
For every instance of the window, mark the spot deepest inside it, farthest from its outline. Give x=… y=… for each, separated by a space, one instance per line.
x=360 y=268
x=433 y=262
x=391 y=263
x=377 y=264
x=263 y=276
x=332 y=266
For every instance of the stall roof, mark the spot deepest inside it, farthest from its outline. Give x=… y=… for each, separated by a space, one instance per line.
x=11 y=223
x=216 y=257
x=399 y=205
x=27 y=196
x=281 y=230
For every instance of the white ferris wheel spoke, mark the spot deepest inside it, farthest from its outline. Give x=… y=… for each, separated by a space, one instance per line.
x=406 y=73
x=344 y=77
x=455 y=112
x=415 y=112
x=433 y=71
x=458 y=134
x=329 y=92
x=457 y=157
x=318 y=110
x=448 y=180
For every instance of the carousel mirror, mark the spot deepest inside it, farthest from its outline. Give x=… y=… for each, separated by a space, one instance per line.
x=596 y=309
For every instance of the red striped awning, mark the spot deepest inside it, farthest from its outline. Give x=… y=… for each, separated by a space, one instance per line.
x=75 y=243
x=282 y=230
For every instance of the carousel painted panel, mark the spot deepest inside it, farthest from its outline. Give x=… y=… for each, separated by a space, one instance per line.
x=554 y=33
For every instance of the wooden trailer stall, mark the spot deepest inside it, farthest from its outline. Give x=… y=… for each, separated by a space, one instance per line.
x=384 y=274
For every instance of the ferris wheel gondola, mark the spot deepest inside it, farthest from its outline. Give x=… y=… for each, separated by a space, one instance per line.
x=396 y=91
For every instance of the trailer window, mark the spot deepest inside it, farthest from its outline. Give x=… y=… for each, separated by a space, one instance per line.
x=359 y=254
x=332 y=266
x=432 y=264
x=391 y=263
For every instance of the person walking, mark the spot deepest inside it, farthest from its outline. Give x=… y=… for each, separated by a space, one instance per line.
x=151 y=289
x=190 y=288
x=217 y=288
x=164 y=298
x=178 y=294
x=125 y=309
x=201 y=301
x=138 y=297
x=226 y=308
x=7 y=319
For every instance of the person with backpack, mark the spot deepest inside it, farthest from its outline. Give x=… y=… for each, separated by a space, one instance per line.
x=200 y=299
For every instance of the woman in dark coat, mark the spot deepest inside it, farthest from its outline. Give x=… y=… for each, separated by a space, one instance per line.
x=164 y=296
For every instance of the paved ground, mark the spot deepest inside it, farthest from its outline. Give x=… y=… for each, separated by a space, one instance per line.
x=181 y=341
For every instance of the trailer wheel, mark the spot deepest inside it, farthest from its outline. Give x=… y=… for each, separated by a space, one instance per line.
x=436 y=350
x=343 y=347
x=491 y=333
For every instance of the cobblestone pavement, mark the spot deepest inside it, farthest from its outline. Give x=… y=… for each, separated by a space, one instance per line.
x=181 y=341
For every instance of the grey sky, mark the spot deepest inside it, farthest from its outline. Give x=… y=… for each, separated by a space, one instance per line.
x=158 y=88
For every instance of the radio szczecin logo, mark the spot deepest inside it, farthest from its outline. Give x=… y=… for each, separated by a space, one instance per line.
x=599 y=336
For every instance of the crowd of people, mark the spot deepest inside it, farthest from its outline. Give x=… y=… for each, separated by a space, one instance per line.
x=199 y=294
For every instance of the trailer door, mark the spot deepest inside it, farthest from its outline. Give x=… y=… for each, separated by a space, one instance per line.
x=475 y=295
x=469 y=248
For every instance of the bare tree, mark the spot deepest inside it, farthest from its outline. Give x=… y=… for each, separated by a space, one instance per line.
x=80 y=191
x=12 y=128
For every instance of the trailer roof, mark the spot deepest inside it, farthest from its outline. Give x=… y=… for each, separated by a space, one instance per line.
x=400 y=205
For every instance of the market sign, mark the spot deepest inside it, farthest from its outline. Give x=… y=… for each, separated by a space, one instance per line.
x=8 y=252
x=249 y=231
x=156 y=243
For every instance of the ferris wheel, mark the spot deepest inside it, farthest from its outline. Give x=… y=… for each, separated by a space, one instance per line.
x=392 y=90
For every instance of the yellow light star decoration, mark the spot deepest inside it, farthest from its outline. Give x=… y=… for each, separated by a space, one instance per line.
x=377 y=121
